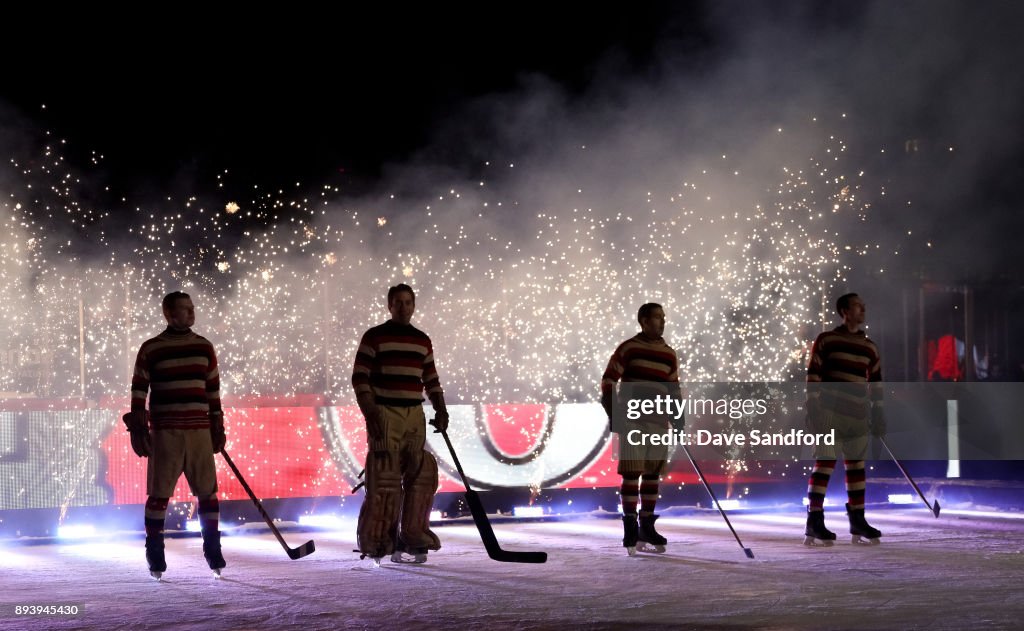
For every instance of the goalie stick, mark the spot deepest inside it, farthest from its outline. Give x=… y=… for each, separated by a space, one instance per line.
x=293 y=553
x=483 y=524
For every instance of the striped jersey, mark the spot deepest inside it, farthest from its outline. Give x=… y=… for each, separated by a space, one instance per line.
x=639 y=359
x=839 y=356
x=395 y=362
x=178 y=369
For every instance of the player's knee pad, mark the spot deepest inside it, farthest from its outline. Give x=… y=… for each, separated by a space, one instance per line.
x=420 y=486
x=381 y=505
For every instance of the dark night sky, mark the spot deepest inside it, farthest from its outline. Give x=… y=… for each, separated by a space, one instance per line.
x=340 y=95
x=280 y=97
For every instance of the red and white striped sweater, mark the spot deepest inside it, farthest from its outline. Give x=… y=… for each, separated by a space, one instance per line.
x=178 y=369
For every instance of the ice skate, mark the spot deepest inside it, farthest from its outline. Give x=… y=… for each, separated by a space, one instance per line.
x=211 y=550
x=155 y=556
x=631 y=534
x=404 y=554
x=156 y=576
x=816 y=534
x=860 y=530
x=375 y=557
x=648 y=539
x=416 y=555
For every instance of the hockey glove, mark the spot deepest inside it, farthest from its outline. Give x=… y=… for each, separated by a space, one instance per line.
x=678 y=423
x=217 y=435
x=376 y=430
x=815 y=421
x=374 y=424
x=137 y=423
x=878 y=425
x=440 y=420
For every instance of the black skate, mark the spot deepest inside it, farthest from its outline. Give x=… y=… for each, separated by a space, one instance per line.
x=816 y=534
x=155 y=556
x=860 y=530
x=211 y=550
x=630 y=534
x=649 y=539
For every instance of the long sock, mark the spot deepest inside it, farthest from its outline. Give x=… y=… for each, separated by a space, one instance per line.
x=648 y=494
x=209 y=512
x=855 y=483
x=156 y=515
x=818 y=484
x=630 y=492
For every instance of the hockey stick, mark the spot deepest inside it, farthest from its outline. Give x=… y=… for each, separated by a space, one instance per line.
x=934 y=509
x=747 y=551
x=293 y=553
x=483 y=524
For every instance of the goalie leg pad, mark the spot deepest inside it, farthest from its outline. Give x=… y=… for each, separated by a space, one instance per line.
x=419 y=484
x=379 y=514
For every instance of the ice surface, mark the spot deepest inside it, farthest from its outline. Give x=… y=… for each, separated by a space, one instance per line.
x=952 y=573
